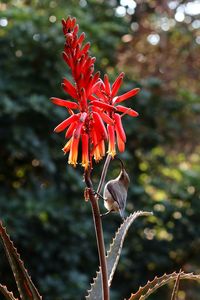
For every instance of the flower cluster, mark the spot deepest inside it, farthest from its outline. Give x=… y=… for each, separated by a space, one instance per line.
x=95 y=111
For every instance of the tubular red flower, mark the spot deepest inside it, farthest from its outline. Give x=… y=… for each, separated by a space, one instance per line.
x=73 y=154
x=127 y=95
x=99 y=126
x=70 y=130
x=120 y=143
x=106 y=118
x=85 y=152
x=67 y=146
x=111 y=139
x=107 y=84
x=66 y=123
x=69 y=88
x=116 y=85
x=100 y=104
x=119 y=127
x=127 y=111
x=65 y=103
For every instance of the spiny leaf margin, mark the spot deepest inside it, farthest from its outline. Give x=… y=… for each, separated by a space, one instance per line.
x=26 y=288
x=151 y=286
x=6 y=293
x=176 y=287
x=113 y=255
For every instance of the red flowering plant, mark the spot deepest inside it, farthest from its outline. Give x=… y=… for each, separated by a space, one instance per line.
x=94 y=112
x=94 y=121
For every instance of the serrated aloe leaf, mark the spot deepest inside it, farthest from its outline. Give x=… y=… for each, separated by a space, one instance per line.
x=113 y=255
x=8 y=295
x=151 y=286
x=26 y=288
x=176 y=287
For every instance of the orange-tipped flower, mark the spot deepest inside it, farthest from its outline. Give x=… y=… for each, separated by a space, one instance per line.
x=94 y=113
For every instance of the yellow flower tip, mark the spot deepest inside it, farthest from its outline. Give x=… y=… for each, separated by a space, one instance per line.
x=112 y=153
x=73 y=163
x=85 y=165
x=97 y=158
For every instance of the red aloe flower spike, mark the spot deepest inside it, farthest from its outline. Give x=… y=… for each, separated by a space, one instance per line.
x=127 y=111
x=66 y=123
x=116 y=85
x=126 y=95
x=69 y=88
x=85 y=152
x=70 y=130
x=65 y=103
x=111 y=138
x=119 y=127
x=99 y=126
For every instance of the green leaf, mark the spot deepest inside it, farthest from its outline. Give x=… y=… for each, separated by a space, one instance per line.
x=25 y=286
x=8 y=295
x=151 y=286
x=113 y=255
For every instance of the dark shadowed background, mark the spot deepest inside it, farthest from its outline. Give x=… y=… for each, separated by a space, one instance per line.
x=157 y=45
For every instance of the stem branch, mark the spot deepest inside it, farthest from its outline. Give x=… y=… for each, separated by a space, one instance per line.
x=99 y=236
x=103 y=174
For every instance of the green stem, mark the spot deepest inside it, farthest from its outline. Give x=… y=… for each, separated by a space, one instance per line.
x=99 y=236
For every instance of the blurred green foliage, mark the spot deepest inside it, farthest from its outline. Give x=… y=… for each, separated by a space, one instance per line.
x=41 y=198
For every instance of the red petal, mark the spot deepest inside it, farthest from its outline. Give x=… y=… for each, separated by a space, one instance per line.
x=111 y=138
x=106 y=118
x=83 y=99
x=116 y=85
x=127 y=111
x=99 y=126
x=73 y=22
x=85 y=49
x=107 y=84
x=67 y=146
x=80 y=124
x=81 y=39
x=76 y=28
x=103 y=105
x=73 y=155
x=67 y=59
x=70 y=130
x=69 y=88
x=127 y=95
x=85 y=153
x=66 y=123
x=120 y=143
x=119 y=127
x=64 y=103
